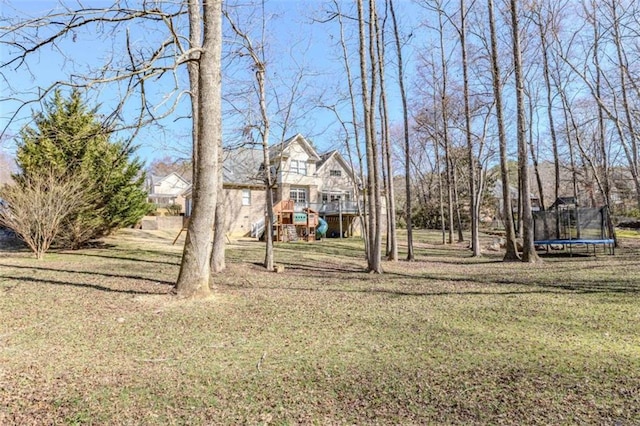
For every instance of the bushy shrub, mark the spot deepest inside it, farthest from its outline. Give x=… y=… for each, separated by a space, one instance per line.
x=174 y=209
x=69 y=140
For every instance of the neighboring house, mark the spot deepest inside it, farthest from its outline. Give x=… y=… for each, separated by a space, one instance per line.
x=167 y=190
x=324 y=183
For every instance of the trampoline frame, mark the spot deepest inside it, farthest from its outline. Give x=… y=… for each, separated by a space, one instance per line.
x=607 y=243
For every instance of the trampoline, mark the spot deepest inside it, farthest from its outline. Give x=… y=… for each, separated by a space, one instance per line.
x=567 y=225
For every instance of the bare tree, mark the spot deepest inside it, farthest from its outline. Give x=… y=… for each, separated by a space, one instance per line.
x=475 y=220
x=355 y=129
x=392 y=239
x=405 y=126
x=35 y=207
x=543 y=22
x=444 y=105
x=528 y=249
x=256 y=55
x=511 y=249
x=374 y=263
x=195 y=270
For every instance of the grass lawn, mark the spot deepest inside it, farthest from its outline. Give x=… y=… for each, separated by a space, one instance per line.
x=93 y=336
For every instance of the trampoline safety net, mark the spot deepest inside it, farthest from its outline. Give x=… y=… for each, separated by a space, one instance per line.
x=580 y=223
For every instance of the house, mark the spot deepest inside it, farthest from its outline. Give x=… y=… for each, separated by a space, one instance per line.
x=167 y=190
x=303 y=179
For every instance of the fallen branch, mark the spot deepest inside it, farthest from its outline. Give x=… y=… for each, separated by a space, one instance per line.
x=259 y=364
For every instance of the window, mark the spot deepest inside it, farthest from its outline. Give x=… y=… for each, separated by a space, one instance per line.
x=298 y=167
x=334 y=196
x=246 y=197
x=335 y=172
x=298 y=195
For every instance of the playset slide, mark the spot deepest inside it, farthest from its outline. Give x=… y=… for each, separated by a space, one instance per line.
x=321 y=230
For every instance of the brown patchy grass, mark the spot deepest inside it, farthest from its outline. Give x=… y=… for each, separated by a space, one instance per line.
x=93 y=337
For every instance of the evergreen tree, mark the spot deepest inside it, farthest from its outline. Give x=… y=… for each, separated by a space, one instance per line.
x=69 y=139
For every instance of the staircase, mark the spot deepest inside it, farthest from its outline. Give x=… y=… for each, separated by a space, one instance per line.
x=257 y=228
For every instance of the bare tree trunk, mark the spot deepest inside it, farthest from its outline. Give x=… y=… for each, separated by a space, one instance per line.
x=405 y=123
x=475 y=220
x=392 y=238
x=218 y=263
x=356 y=135
x=195 y=39
x=604 y=157
x=534 y=157
x=440 y=192
x=511 y=248
x=445 y=126
x=528 y=249
x=456 y=202
x=374 y=261
x=268 y=179
x=258 y=64
x=547 y=82
x=195 y=270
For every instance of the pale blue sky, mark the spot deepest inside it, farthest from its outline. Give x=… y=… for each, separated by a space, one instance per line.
x=294 y=42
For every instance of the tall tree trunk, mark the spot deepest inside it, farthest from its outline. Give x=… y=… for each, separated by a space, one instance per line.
x=392 y=238
x=547 y=84
x=268 y=178
x=445 y=127
x=374 y=261
x=195 y=40
x=475 y=220
x=356 y=136
x=528 y=248
x=604 y=157
x=195 y=270
x=510 y=235
x=405 y=124
x=258 y=66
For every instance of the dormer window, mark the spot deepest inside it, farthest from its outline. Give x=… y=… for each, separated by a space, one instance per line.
x=337 y=173
x=298 y=167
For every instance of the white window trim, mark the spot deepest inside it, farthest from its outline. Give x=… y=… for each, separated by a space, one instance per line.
x=298 y=167
x=298 y=191
x=246 y=197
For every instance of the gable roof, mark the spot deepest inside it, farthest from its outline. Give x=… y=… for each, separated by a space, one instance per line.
x=335 y=154
x=282 y=149
x=157 y=180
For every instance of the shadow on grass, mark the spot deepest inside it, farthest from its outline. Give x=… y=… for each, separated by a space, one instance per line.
x=102 y=274
x=319 y=268
x=576 y=286
x=496 y=285
x=132 y=259
x=400 y=293
x=80 y=285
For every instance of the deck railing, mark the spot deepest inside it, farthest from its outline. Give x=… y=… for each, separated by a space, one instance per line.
x=336 y=207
